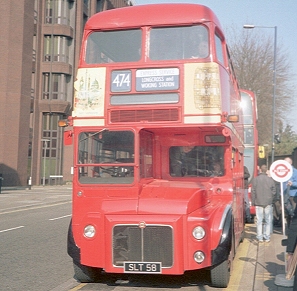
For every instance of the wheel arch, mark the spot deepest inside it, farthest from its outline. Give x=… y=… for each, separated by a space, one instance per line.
x=72 y=249
x=221 y=253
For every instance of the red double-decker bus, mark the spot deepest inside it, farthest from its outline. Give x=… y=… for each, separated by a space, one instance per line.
x=250 y=116
x=158 y=145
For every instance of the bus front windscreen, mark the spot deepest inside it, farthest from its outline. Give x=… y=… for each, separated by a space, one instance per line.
x=113 y=46
x=176 y=43
x=106 y=157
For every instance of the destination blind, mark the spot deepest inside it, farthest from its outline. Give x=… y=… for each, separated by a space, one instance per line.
x=157 y=79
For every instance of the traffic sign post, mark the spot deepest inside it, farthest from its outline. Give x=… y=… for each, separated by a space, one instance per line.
x=282 y=171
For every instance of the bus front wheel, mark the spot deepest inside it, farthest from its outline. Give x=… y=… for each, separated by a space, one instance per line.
x=220 y=275
x=85 y=274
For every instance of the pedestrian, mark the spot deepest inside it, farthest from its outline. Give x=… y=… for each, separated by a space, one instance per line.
x=246 y=197
x=291 y=246
x=291 y=185
x=272 y=208
x=263 y=195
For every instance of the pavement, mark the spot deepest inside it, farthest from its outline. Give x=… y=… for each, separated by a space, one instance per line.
x=264 y=262
x=14 y=199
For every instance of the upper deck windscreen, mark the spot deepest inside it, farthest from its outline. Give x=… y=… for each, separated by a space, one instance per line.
x=113 y=46
x=164 y=43
x=178 y=43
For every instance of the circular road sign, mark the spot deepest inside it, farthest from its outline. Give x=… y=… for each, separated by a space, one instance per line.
x=281 y=171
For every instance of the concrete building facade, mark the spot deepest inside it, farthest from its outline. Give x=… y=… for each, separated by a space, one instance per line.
x=39 y=51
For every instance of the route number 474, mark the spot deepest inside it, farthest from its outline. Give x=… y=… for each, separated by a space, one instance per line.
x=121 y=81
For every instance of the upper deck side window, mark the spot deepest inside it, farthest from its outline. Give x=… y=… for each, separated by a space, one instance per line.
x=247 y=109
x=219 y=49
x=113 y=46
x=177 y=43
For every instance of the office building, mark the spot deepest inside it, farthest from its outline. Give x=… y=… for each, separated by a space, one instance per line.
x=39 y=51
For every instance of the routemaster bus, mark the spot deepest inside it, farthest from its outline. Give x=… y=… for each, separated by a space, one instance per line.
x=250 y=116
x=158 y=146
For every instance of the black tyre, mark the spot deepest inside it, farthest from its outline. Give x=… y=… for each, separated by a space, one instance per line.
x=85 y=274
x=220 y=275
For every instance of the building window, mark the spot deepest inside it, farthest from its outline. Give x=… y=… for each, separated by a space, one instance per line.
x=57 y=12
x=51 y=153
x=55 y=86
x=86 y=2
x=56 y=48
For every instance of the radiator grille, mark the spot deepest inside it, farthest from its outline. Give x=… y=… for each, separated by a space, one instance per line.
x=150 y=115
x=149 y=244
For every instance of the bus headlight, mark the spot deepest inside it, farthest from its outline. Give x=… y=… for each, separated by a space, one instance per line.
x=199 y=257
x=198 y=232
x=89 y=231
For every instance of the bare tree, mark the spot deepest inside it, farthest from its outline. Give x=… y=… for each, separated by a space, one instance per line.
x=288 y=140
x=252 y=54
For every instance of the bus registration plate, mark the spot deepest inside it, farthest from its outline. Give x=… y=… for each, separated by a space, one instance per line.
x=142 y=267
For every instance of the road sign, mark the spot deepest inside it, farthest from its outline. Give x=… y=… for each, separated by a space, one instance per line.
x=281 y=171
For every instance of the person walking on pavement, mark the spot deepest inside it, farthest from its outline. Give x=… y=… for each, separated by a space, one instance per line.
x=291 y=248
x=292 y=184
x=263 y=195
x=246 y=197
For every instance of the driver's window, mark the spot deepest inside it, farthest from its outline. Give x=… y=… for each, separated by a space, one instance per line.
x=183 y=160
x=196 y=161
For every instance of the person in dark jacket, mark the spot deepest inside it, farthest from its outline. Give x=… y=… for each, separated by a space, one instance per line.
x=263 y=195
x=291 y=244
x=291 y=185
x=290 y=193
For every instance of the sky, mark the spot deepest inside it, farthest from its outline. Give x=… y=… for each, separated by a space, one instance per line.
x=236 y=13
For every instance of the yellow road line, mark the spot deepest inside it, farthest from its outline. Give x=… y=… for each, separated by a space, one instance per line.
x=78 y=287
x=238 y=265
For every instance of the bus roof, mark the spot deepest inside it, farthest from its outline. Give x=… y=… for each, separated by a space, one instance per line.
x=152 y=14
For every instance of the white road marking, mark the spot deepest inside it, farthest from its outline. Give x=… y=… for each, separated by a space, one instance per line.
x=30 y=207
x=9 y=229
x=60 y=217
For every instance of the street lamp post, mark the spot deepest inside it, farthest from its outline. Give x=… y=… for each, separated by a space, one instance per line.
x=249 y=26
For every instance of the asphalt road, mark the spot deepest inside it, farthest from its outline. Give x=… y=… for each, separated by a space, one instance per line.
x=33 y=238
x=33 y=247
x=33 y=256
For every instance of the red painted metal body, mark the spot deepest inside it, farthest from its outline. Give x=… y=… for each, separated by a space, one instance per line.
x=130 y=114
x=249 y=107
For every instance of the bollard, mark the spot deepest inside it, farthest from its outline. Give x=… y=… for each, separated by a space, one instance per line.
x=30 y=183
